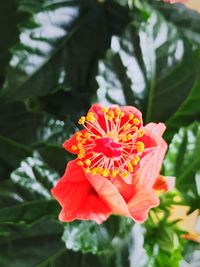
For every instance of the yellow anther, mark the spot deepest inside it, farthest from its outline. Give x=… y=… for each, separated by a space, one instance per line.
x=121 y=114
x=87 y=135
x=104 y=109
x=81 y=120
x=105 y=172
x=135 y=160
x=88 y=162
x=123 y=138
x=141 y=133
x=111 y=114
x=90 y=117
x=136 y=121
x=74 y=148
x=83 y=141
x=126 y=126
x=140 y=146
x=78 y=136
x=94 y=171
x=94 y=153
x=87 y=170
x=99 y=170
x=135 y=128
x=124 y=175
x=130 y=167
x=131 y=116
x=81 y=153
x=80 y=145
x=117 y=111
x=129 y=137
x=114 y=173
x=97 y=136
x=80 y=163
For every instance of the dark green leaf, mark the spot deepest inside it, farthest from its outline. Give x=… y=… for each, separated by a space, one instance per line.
x=11 y=153
x=33 y=127
x=183 y=162
x=188 y=112
x=29 y=198
x=9 y=34
x=52 y=52
x=149 y=67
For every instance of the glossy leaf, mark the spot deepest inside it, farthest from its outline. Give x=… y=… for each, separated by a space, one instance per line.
x=48 y=55
x=188 y=112
x=183 y=162
x=29 y=198
x=97 y=239
x=29 y=127
x=149 y=67
x=35 y=178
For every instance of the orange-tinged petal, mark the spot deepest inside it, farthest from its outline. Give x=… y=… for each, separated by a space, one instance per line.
x=109 y=193
x=141 y=203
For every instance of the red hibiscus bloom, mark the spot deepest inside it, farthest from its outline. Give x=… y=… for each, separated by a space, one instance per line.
x=117 y=166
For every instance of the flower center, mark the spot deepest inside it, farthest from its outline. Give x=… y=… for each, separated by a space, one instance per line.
x=108 y=147
x=111 y=145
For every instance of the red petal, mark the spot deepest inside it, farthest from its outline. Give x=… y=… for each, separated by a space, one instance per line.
x=141 y=203
x=72 y=142
x=164 y=184
x=78 y=198
x=107 y=191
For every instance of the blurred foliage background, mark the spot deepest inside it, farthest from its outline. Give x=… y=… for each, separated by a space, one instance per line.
x=57 y=57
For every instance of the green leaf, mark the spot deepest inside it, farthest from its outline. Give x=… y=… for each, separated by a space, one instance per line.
x=28 y=198
x=183 y=162
x=11 y=153
x=9 y=34
x=152 y=66
x=191 y=255
x=51 y=42
x=187 y=20
x=40 y=245
x=33 y=127
x=106 y=238
x=35 y=178
x=23 y=246
x=28 y=212
x=188 y=112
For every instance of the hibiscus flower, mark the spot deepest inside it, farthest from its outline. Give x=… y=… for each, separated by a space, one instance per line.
x=117 y=166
